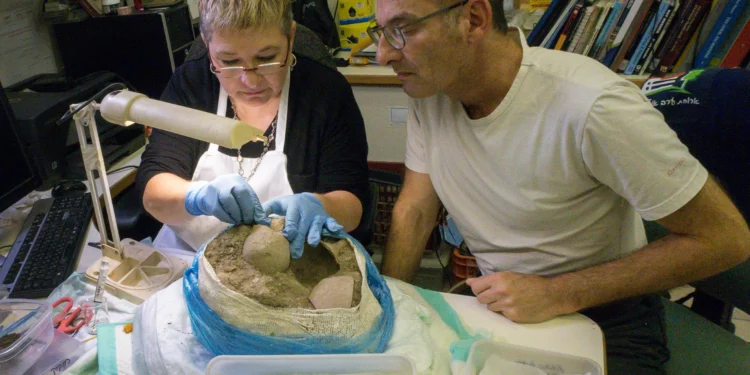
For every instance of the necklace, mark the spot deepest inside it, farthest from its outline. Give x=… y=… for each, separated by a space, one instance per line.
x=271 y=137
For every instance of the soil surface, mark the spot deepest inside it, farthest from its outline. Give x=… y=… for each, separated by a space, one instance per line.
x=290 y=288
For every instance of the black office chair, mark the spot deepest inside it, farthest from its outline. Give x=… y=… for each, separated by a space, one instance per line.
x=717 y=132
x=364 y=232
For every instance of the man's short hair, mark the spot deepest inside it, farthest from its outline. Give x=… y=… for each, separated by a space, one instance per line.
x=498 y=14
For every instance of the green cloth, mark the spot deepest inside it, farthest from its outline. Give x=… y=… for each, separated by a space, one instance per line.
x=459 y=349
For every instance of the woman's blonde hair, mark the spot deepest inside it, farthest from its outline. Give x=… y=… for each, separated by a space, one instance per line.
x=238 y=15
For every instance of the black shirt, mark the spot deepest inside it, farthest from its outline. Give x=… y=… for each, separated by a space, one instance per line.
x=326 y=145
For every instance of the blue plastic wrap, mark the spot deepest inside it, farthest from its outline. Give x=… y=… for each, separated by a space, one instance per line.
x=221 y=338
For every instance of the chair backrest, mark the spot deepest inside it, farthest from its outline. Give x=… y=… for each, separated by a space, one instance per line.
x=363 y=233
x=710 y=112
x=306 y=43
x=709 y=109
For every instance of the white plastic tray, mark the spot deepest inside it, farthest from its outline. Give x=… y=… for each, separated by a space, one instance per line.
x=337 y=364
x=550 y=363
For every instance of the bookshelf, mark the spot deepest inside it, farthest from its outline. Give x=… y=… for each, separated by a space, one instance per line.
x=640 y=38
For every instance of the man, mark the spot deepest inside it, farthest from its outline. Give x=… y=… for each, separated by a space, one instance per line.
x=547 y=161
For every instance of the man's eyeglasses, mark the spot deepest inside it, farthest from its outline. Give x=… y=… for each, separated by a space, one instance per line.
x=262 y=69
x=394 y=34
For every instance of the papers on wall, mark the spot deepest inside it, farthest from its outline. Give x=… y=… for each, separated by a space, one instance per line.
x=25 y=44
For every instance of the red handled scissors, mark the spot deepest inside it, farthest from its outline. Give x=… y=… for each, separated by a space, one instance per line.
x=69 y=322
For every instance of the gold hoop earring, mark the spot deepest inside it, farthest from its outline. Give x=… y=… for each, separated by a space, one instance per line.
x=294 y=62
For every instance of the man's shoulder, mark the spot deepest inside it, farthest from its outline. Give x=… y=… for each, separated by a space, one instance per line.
x=564 y=68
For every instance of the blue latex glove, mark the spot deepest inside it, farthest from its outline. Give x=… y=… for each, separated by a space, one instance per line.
x=229 y=198
x=305 y=217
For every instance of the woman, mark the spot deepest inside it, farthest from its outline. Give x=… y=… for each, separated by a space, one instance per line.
x=314 y=168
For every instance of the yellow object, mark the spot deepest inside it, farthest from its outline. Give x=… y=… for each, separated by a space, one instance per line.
x=127 y=328
x=353 y=10
x=539 y=4
x=352 y=35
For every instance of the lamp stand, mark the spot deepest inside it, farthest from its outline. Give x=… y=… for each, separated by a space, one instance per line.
x=136 y=270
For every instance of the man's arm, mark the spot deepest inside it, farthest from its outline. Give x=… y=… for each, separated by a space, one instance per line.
x=413 y=220
x=708 y=236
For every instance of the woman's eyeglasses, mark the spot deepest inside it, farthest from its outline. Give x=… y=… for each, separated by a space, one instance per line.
x=394 y=34
x=262 y=69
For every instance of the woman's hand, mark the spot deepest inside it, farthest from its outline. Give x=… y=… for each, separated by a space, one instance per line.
x=305 y=218
x=229 y=198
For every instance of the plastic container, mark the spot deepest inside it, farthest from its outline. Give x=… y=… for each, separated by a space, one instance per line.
x=464 y=266
x=26 y=333
x=550 y=363
x=61 y=354
x=312 y=364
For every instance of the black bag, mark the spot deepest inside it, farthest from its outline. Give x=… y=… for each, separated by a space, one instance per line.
x=317 y=17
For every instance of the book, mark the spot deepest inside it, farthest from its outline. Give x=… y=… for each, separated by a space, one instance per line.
x=728 y=16
x=685 y=61
x=640 y=49
x=671 y=34
x=588 y=30
x=634 y=33
x=739 y=49
x=554 y=33
x=731 y=36
x=570 y=25
x=609 y=24
x=578 y=32
x=607 y=54
x=717 y=7
x=659 y=33
x=687 y=57
x=603 y=15
x=618 y=48
x=684 y=33
x=541 y=28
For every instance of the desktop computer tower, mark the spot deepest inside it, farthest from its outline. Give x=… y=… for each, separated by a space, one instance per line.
x=143 y=48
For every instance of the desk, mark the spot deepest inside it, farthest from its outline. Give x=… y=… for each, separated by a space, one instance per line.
x=118 y=181
x=573 y=334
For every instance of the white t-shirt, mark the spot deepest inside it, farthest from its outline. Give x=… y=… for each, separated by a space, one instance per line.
x=557 y=177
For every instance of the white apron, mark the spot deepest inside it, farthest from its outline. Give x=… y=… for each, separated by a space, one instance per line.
x=269 y=181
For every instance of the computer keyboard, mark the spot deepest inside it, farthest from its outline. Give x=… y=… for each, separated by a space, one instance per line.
x=46 y=250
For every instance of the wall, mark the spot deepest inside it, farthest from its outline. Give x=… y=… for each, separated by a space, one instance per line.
x=26 y=46
x=387 y=142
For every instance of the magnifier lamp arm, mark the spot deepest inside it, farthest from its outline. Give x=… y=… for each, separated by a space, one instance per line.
x=139 y=270
x=93 y=160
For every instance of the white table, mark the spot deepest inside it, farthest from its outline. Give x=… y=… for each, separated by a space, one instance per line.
x=572 y=334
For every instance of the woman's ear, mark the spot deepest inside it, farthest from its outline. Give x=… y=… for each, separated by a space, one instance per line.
x=292 y=31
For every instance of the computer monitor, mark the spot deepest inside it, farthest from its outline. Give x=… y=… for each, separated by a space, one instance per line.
x=16 y=176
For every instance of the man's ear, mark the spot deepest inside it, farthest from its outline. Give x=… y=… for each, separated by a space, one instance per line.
x=479 y=17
